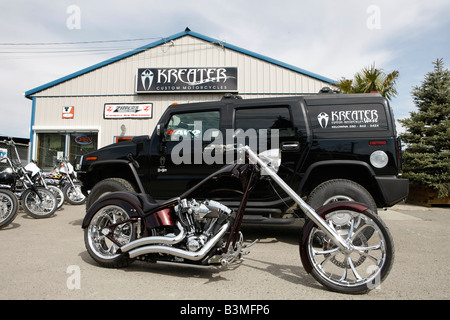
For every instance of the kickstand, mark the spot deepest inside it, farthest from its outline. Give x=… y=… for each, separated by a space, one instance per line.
x=249 y=245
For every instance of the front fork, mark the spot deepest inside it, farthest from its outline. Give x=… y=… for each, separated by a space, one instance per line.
x=309 y=211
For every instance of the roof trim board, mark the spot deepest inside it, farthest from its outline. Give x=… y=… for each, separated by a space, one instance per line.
x=29 y=93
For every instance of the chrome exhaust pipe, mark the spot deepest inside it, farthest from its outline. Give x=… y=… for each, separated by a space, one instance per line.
x=195 y=256
x=155 y=240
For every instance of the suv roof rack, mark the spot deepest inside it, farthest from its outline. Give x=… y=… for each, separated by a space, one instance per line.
x=230 y=96
x=328 y=90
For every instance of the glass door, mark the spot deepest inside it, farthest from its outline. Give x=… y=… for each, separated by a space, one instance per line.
x=50 y=147
x=81 y=143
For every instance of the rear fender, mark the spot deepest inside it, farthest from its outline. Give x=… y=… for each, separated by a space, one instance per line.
x=322 y=212
x=126 y=200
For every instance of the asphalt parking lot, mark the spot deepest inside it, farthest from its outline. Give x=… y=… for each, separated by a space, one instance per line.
x=46 y=259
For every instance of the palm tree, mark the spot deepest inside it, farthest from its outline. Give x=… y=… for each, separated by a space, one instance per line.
x=371 y=79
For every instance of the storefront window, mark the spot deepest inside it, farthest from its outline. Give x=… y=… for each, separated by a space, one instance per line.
x=82 y=143
x=54 y=146
x=50 y=147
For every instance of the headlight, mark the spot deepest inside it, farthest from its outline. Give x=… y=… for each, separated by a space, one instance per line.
x=379 y=159
x=272 y=157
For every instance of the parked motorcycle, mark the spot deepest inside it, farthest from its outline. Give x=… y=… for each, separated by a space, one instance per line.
x=344 y=245
x=24 y=182
x=63 y=177
x=8 y=207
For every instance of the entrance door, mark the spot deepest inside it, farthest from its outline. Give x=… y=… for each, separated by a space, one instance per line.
x=51 y=146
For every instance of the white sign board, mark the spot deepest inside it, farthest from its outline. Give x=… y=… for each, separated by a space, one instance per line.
x=128 y=110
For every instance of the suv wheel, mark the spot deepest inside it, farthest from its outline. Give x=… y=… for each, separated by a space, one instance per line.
x=340 y=190
x=107 y=186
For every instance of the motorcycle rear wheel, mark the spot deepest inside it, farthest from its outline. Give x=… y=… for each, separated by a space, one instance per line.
x=59 y=195
x=360 y=269
x=8 y=207
x=40 y=204
x=98 y=235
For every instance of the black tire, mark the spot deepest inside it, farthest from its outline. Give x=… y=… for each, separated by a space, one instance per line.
x=106 y=186
x=37 y=208
x=340 y=190
x=99 y=246
x=355 y=272
x=8 y=207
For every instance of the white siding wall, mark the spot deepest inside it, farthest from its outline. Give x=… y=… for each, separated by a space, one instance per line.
x=115 y=83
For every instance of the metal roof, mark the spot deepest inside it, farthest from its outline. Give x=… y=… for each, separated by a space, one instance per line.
x=187 y=32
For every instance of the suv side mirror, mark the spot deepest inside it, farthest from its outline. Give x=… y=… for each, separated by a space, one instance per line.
x=161 y=138
x=158 y=130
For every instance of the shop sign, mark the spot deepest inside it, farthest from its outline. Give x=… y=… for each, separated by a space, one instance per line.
x=68 y=112
x=159 y=80
x=84 y=140
x=130 y=110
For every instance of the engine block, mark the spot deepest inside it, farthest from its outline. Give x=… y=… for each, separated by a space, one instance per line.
x=202 y=220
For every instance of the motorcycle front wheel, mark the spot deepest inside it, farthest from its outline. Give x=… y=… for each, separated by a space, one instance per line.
x=73 y=194
x=8 y=207
x=357 y=270
x=109 y=227
x=39 y=203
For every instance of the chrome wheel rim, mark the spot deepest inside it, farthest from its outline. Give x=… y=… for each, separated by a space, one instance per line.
x=107 y=224
x=6 y=206
x=41 y=204
x=362 y=264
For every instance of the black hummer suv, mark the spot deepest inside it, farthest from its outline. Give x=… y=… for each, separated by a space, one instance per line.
x=334 y=147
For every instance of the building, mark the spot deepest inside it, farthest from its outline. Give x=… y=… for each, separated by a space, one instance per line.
x=125 y=96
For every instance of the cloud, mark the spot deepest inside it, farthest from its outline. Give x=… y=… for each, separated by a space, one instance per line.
x=331 y=38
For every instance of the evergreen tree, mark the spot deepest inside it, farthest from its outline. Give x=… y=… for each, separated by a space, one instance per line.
x=426 y=160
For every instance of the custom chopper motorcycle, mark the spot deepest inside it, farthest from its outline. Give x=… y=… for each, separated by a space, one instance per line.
x=344 y=245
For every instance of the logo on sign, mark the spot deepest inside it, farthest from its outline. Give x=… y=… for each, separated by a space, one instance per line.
x=147 y=79
x=68 y=112
x=323 y=119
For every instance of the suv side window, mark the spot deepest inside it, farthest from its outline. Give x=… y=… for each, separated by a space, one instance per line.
x=265 y=118
x=193 y=125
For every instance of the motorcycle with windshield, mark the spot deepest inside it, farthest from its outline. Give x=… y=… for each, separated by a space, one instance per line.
x=344 y=245
x=26 y=183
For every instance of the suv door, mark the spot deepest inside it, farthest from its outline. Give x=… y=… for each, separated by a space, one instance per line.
x=180 y=164
x=274 y=127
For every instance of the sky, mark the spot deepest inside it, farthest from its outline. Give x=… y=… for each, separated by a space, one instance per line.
x=43 y=40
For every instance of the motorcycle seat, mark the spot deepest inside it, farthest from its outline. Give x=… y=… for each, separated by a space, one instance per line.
x=149 y=204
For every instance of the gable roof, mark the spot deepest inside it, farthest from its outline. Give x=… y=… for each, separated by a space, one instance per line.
x=29 y=93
